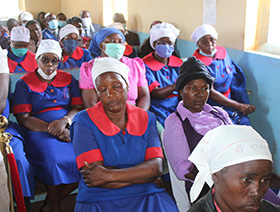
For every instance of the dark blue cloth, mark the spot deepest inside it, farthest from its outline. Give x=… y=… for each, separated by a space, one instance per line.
x=47 y=34
x=99 y=38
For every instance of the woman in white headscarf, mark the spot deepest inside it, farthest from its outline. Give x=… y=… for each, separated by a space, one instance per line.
x=236 y=163
x=229 y=89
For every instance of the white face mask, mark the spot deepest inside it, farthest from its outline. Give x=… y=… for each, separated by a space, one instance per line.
x=46 y=77
x=86 y=22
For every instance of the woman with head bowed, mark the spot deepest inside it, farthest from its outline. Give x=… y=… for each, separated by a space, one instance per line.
x=163 y=70
x=236 y=163
x=45 y=102
x=117 y=149
x=229 y=88
x=110 y=42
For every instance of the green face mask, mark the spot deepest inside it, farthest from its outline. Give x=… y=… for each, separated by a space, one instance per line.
x=19 y=52
x=115 y=50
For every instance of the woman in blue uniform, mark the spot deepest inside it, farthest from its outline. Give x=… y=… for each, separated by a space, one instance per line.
x=162 y=70
x=45 y=102
x=72 y=55
x=117 y=149
x=229 y=89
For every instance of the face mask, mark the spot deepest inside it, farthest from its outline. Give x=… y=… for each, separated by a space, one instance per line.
x=70 y=45
x=86 y=22
x=208 y=55
x=115 y=50
x=164 y=50
x=44 y=76
x=19 y=52
x=53 y=24
x=61 y=23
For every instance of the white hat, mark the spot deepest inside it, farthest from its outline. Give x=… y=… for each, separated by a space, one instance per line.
x=26 y=16
x=117 y=25
x=108 y=64
x=48 y=46
x=163 y=30
x=66 y=30
x=20 y=33
x=203 y=30
x=225 y=146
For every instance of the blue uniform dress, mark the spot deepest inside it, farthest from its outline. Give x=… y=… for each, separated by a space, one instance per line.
x=47 y=34
x=230 y=81
x=79 y=56
x=54 y=160
x=26 y=63
x=26 y=171
x=96 y=138
x=160 y=75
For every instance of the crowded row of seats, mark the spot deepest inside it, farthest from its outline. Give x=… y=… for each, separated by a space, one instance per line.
x=56 y=137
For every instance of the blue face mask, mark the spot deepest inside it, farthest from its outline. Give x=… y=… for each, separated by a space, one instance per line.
x=19 y=52
x=115 y=50
x=70 y=45
x=61 y=23
x=208 y=55
x=164 y=50
x=53 y=24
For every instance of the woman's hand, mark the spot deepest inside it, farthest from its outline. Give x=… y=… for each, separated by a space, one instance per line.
x=57 y=127
x=65 y=135
x=246 y=108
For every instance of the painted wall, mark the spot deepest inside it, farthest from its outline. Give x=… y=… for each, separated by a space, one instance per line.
x=187 y=15
x=41 y=5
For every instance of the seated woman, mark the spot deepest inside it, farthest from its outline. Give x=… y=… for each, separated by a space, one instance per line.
x=20 y=60
x=117 y=149
x=73 y=56
x=162 y=70
x=236 y=163
x=109 y=42
x=35 y=35
x=229 y=89
x=45 y=102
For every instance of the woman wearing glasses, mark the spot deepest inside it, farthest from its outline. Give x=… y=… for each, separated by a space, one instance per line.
x=162 y=70
x=45 y=102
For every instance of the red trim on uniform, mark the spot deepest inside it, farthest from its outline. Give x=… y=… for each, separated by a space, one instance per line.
x=62 y=79
x=137 y=120
x=29 y=63
x=77 y=101
x=77 y=54
x=128 y=50
x=226 y=94
x=215 y=203
x=50 y=109
x=22 y=108
x=153 y=86
x=155 y=65
x=220 y=54
x=153 y=152
x=90 y=157
x=172 y=95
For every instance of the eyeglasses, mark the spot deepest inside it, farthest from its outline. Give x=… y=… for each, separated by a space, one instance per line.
x=205 y=41
x=46 y=60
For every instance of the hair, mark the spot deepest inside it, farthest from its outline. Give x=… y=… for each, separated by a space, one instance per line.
x=74 y=20
x=10 y=20
x=41 y=13
x=28 y=23
x=59 y=14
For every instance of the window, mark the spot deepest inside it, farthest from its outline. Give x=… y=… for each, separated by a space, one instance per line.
x=113 y=6
x=9 y=9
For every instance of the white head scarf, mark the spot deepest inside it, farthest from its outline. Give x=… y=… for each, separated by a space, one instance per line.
x=108 y=64
x=49 y=46
x=117 y=25
x=203 y=30
x=66 y=30
x=225 y=146
x=20 y=33
x=162 y=30
x=26 y=16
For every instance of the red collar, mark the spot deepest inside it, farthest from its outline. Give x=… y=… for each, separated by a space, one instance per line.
x=77 y=54
x=29 y=63
x=220 y=54
x=62 y=79
x=215 y=203
x=137 y=120
x=155 y=65
x=128 y=50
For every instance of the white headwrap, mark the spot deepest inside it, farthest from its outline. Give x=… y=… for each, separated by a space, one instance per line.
x=66 y=30
x=163 y=30
x=117 y=25
x=26 y=16
x=108 y=64
x=225 y=146
x=49 y=46
x=203 y=30
x=21 y=34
